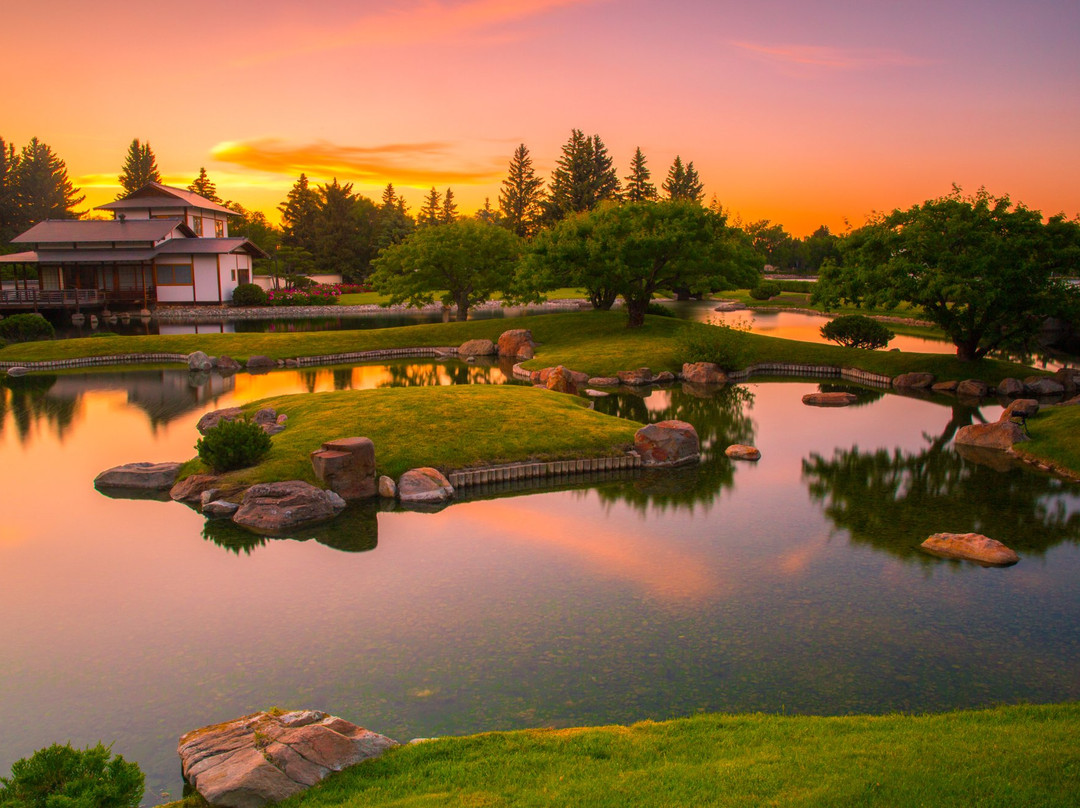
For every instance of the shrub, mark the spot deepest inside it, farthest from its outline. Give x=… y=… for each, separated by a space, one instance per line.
x=233 y=445
x=721 y=343
x=249 y=294
x=857 y=331
x=765 y=290
x=26 y=328
x=62 y=777
x=658 y=309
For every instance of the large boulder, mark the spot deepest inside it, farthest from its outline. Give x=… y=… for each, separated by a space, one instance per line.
x=971 y=547
x=972 y=388
x=636 y=378
x=141 y=476
x=274 y=508
x=260 y=363
x=1069 y=378
x=517 y=343
x=915 y=381
x=476 y=347
x=211 y=419
x=1020 y=408
x=191 y=489
x=838 y=399
x=263 y=758
x=560 y=380
x=1012 y=388
x=998 y=435
x=1043 y=386
x=424 y=486
x=703 y=373
x=667 y=443
x=197 y=360
x=347 y=466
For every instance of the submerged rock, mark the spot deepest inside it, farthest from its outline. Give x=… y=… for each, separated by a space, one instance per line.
x=667 y=443
x=142 y=476
x=917 y=381
x=829 y=399
x=265 y=757
x=971 y=547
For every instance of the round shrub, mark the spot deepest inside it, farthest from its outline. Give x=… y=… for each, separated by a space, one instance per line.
x=73 y=778
x=233 y=445
x=26 y=328
x=658 y=309
x=249 y=294
x=765 y=290
x=857 y=331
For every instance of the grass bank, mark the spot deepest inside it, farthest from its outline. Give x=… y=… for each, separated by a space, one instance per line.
x=1007 y=757
x=1054 y=440
x=445 y=427
x=591 y=341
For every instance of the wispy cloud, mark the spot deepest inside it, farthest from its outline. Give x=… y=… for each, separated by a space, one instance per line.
x=410 y=164
x=831 y=58
x=417 y=22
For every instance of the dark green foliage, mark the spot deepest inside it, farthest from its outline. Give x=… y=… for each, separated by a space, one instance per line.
x=204 y=187
x=63 y=777
x=777 y=247
x=233 y=445
x=583 y=178
x=639 y=187
x=140 y=168
x=298 y=214
x=42 y=188
x=449 y=208
x=249 y=294
x=26 y=328
x=522 y=195
x=682 y=183
x=431 y=211
x=799 y=287
x=721 y=344
x=857 y=331
x=765 y=290
x=659 y=309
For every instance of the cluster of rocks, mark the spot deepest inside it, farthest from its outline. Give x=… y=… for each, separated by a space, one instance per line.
x=265 y=757
x=1065 y=382
x=199 y=362
x=1003 y=433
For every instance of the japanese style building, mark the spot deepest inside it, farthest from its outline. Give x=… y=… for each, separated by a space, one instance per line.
x=164 y=245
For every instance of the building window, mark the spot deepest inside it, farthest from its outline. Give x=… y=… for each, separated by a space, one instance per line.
x=173 y=275
x=234 y=274
x=219 y=229
x=196 y=225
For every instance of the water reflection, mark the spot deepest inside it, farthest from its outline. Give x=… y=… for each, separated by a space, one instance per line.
x=355 y=530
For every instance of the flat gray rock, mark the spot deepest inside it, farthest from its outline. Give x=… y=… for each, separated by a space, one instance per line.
x=143 y=476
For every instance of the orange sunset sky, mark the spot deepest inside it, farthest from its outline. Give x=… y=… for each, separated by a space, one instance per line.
x=804 y=113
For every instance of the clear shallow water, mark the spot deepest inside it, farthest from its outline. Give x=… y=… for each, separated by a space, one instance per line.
x=793 y=584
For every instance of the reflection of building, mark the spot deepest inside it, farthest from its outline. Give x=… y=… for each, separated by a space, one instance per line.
x=164 y=245
x=164 y=395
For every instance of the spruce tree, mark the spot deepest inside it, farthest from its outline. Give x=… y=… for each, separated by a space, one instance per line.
x=8 y=215
x=522 y=195
x=431 y=211
x=140 y=167
x=42 y=188
x=204 y=187
x=449 y=208
x=298 y=214
x=389 y=196
x=605 y=180
x=639 y=188
x=683 y=183
x=488 y=214
x=584 y=176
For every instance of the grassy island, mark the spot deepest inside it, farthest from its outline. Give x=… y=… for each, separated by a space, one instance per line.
x=445 y=427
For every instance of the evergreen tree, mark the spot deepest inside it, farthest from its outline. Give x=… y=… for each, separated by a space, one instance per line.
x=140 y=167
x=605 y=179
x=204 y=187
x=521 y=198
x=42 y=188
x=683 y=183
x=298 y=214
x=584 y=177
x=389 y=196
x=449 y=208
x=8 y=211
x=639 y=188
x=431 y=210
x=488 y=214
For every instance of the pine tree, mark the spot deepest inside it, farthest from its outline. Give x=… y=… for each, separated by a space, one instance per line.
x=521 y=198
x=431 y=210
x=584 y=178
x=42 y=188
x=8 y=212
x=389 y=196
x=605 y=180
x=140 y=167
x=204 y=187
x=298 y=215
x=488 y=214
x=683 y=183
x=638 y=185
x=449 y=208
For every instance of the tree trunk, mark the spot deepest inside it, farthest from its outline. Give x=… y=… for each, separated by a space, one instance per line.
x=462 y=307
x=635 y=310
x=602 y=299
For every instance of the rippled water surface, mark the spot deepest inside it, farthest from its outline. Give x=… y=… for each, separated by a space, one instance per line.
x=793 y=584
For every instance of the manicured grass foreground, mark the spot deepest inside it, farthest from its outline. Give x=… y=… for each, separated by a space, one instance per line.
x=1008 y=757
x=594 y=342
x=1054 y=438
x=445 y=427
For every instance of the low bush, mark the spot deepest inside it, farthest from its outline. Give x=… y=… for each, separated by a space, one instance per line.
x=26 y=328
x=63 y=777
x=233 y=445
x=249 y=294
x=765 y=290
x=857 y=331
x=659 y=309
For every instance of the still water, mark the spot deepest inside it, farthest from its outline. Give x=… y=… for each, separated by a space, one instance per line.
x=790 y=585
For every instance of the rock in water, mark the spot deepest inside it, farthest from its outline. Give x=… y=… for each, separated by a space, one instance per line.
x=999 y=435
x=387 y=487
x=703 y=373
x=971 y=547
x=347 y=466
x=199 y=361
x=517 y=343
x=740 y=451
x=667 y=443
x=143 y=476
x=1010 y=387
x=829 y=399
x=561 y=381
x=265 y=757
x=917 y=381
x=636 y=378
x=424 y=486
x=476 y=347
x=273 y=508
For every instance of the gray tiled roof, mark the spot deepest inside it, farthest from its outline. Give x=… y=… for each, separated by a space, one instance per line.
x=156 y=195
x=52 y=231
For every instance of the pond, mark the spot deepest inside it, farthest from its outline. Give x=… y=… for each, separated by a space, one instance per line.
x=790 y=585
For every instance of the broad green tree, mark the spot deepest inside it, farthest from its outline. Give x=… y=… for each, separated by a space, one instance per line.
x=819 y=247
x=204 y=187
x=464 y=263
x=522 y=195
x=42 y=188
x=140 y=167
x=778 y=248
x=639 y=187
x=683 y=183
x=981 y=268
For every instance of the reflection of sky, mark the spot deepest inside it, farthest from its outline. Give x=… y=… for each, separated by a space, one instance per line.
x=122 y=623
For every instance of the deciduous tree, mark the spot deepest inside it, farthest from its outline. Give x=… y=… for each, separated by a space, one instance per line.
x=140 y=167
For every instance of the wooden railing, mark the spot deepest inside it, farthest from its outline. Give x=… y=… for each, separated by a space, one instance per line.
x=49 y=298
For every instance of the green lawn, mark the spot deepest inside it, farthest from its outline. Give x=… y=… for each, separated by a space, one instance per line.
x=1005 y=757
x=445 y=427
x=1054 y=438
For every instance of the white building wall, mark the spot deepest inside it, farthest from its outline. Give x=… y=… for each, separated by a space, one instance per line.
x=206 y=279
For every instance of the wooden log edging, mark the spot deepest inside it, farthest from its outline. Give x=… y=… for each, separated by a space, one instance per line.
x=92 y=361
x=513 y=472
x=384 y=353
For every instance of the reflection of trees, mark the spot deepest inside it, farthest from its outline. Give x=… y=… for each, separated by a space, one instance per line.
x=355 y=530
x=894 y=500
x=27 y=398
x=721 y=418
x=433 y=374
